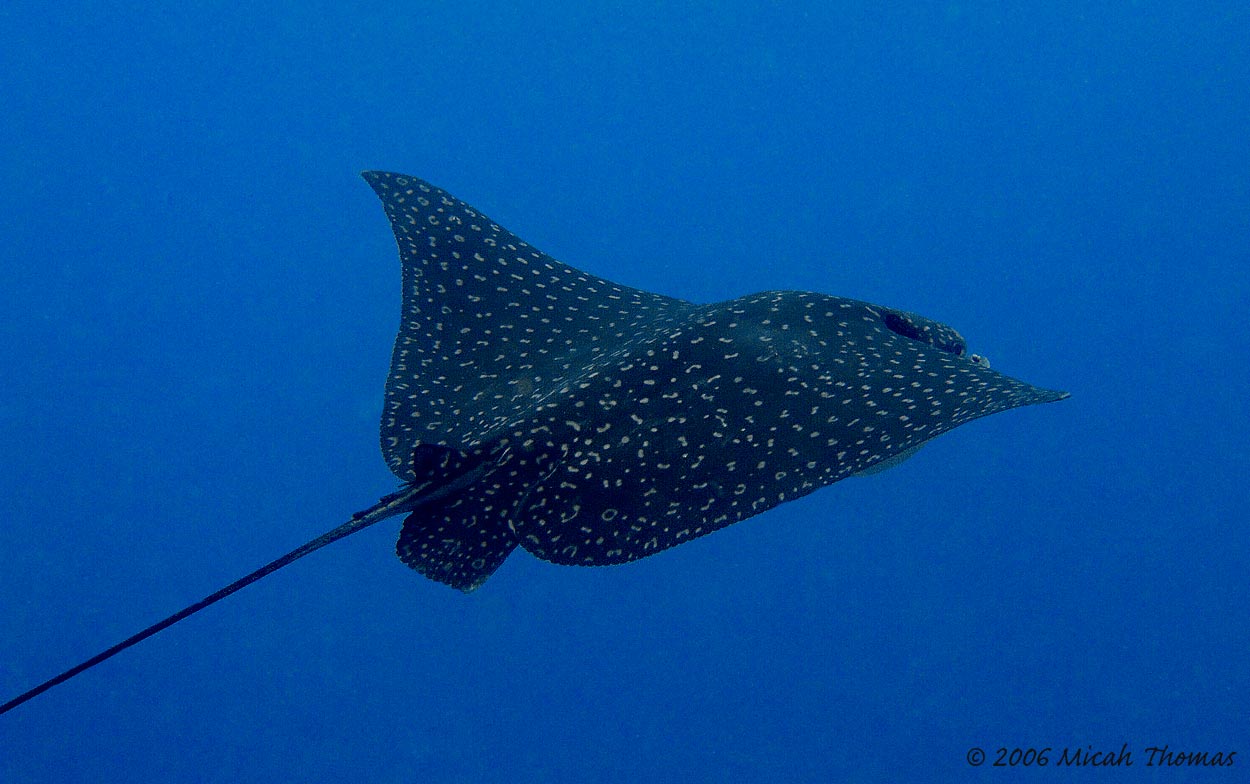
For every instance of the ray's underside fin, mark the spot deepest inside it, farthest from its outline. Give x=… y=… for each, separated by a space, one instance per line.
x=459 y=538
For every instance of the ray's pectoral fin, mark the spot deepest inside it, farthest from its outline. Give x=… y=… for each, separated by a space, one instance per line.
x=458 y=533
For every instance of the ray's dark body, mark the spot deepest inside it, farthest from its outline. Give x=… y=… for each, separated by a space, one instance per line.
x=614 y=422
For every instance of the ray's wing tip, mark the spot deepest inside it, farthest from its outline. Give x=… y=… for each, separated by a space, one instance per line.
x=376 y=176
x=1051 y=395
x=376 y=180
x=390 y=185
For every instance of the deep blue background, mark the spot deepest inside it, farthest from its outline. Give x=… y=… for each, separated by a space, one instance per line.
x=198 y=298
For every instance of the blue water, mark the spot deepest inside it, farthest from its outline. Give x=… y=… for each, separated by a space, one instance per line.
x=199 y=296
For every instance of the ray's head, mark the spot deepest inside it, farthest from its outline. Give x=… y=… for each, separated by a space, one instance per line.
x=912 y=376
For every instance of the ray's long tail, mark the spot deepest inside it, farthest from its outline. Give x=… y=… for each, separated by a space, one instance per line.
x=391 y=505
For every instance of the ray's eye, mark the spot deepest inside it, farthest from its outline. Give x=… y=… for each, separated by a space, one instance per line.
x=914 y=327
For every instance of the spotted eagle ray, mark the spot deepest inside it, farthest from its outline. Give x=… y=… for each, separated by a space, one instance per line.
x=530 y=403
